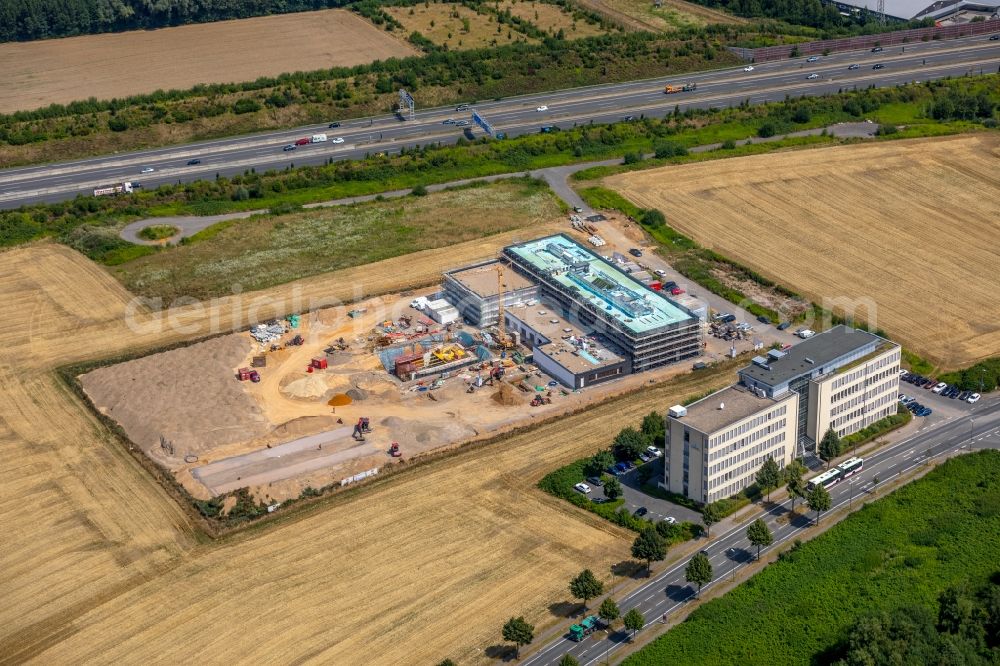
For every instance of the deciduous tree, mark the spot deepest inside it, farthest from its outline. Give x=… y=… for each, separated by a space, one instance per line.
x=710 y=515
x=518 y=632
x=634 y=621
x=759 y=535
x=586 y=586
x=699 y=571
x=649 y=546
x=612 y=488
x=768 y=477
x=818 y=500
x=609 y=611
x=829 y=446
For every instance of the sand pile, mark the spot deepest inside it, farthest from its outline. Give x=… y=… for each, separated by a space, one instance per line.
x=310 y=387
x=339 y=400
x=507 y=395
x=190 y=396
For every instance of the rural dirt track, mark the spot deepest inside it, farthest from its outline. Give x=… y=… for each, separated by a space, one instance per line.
x=101 y=565
x=910 y=225
x=51 y=71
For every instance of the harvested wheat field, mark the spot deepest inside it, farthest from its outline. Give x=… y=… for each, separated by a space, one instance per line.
x=456 y=26
x=40 y=73
x=102 y=565
x=908 y=226
x=669 y=16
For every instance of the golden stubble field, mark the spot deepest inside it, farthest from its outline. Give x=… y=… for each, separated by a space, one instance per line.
x=909 y=226
x=101 y=565
x=37 y=74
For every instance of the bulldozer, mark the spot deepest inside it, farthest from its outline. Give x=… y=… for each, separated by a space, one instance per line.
x=360 y=428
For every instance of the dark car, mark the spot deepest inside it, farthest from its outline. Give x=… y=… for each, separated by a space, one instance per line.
x=878 y=66
x=961 y=396
x=136 y=186
x=641 y=511
x=994 y=38
x=700 y=365
x=600 y=500
x=763 y=319
x=669 y=285
x=628 y=119
x=332 y=125
x=193 y=162
x=595 y=480
x=877 y=49
x=783 y=325
x=635 y=252
x=728 y=318
x=854 y=66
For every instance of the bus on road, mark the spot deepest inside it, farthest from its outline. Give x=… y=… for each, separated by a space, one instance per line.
x=851 y=466
x=826 y=479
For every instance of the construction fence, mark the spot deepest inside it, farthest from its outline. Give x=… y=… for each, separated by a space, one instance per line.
x=885 y=39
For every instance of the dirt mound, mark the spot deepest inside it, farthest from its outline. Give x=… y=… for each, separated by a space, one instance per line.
x=304 y=425
x=507 y=395
x=392 y=422
x=310 y=387
x=340 y=400
x=357 y=393
x=371 y=381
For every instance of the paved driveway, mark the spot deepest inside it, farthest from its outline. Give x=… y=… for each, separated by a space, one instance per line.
x=658 y=508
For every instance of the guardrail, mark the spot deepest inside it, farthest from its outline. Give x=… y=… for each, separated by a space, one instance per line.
x=885 y=39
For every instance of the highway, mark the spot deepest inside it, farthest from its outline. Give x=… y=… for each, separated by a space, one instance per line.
x=514 y=116
x=668 y=591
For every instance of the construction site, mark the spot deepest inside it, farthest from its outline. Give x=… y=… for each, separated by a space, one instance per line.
x=337 y=394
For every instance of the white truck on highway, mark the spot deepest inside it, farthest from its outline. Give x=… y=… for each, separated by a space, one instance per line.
x=318 y=138
x=117 y=188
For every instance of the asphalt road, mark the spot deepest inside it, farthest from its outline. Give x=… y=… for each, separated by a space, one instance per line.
x=955 y=430
x=514 y=116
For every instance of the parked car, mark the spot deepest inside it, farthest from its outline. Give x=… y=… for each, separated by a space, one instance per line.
x=763 y=319
x=939 y=387
x=813 y=76
x=653 y=451
x=805 y=334
x=728 y=318
x=903 y=398
x=963 y=395
x=194 y=161
x=929 y=383
x=670 y=519
x=595 y=480
x=641 y=511
x=854 y=66
x=783 y=325
x=600 y=500
x=926 y=411
x=669 y=284
x=645 y=457
x=973 y=399
x=582 y=487
x=635 y=252
x=661 y=273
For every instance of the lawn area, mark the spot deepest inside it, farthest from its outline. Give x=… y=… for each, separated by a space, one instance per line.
x=902 y=550
x=263 y=251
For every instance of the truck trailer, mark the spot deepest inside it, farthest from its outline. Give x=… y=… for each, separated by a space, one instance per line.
x=117 y=188
x=318 y=138
x=687 y=87
x=587 y=626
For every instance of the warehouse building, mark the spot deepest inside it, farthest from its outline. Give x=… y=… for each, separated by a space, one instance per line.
x=639 y=323
x=714 y=447
x=908 y=10
x=845 y=378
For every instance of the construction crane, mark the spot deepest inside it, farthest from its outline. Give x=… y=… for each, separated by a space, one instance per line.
x=502 y=338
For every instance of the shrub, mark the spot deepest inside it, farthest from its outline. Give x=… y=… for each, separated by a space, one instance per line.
x=652 y=218
x=766 y=130
x=728 y=144
x=419 y=191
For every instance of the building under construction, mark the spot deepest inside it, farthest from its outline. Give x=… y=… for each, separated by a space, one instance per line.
x=585 y=320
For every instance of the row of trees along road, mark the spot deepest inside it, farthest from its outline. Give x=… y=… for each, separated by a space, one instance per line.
x=651 y=544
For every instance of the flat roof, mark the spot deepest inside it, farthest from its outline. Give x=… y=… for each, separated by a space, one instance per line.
x=593 y=280
x=740 y=403
x=812 y=354
x=481 y=279
x=564 y=339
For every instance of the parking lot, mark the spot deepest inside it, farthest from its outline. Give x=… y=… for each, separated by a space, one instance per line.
x=658 y=509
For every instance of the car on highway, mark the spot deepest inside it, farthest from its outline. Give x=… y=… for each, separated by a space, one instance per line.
x=748 y=68
x=878 y=66
x=462 y=107
x=333 y=125
x=542 y=108
x=812 y=59
x=461 y=123
x=448 y=121
x=994 y=38
x=854 y=66
x=973 y=399
x=641 y=511
x=290 y=146
x=338 y=139
x=148 y=170
x=877 y=49
x=193 y=162
x=813 y=76
x=582 y=487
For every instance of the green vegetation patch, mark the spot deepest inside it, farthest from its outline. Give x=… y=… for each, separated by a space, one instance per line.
x=902 y=550
x=981 y=377
x=263 y=251
x=158 y=232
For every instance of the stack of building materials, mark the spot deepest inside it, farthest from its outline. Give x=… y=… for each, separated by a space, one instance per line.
x=267 y=333
x=697 y=308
